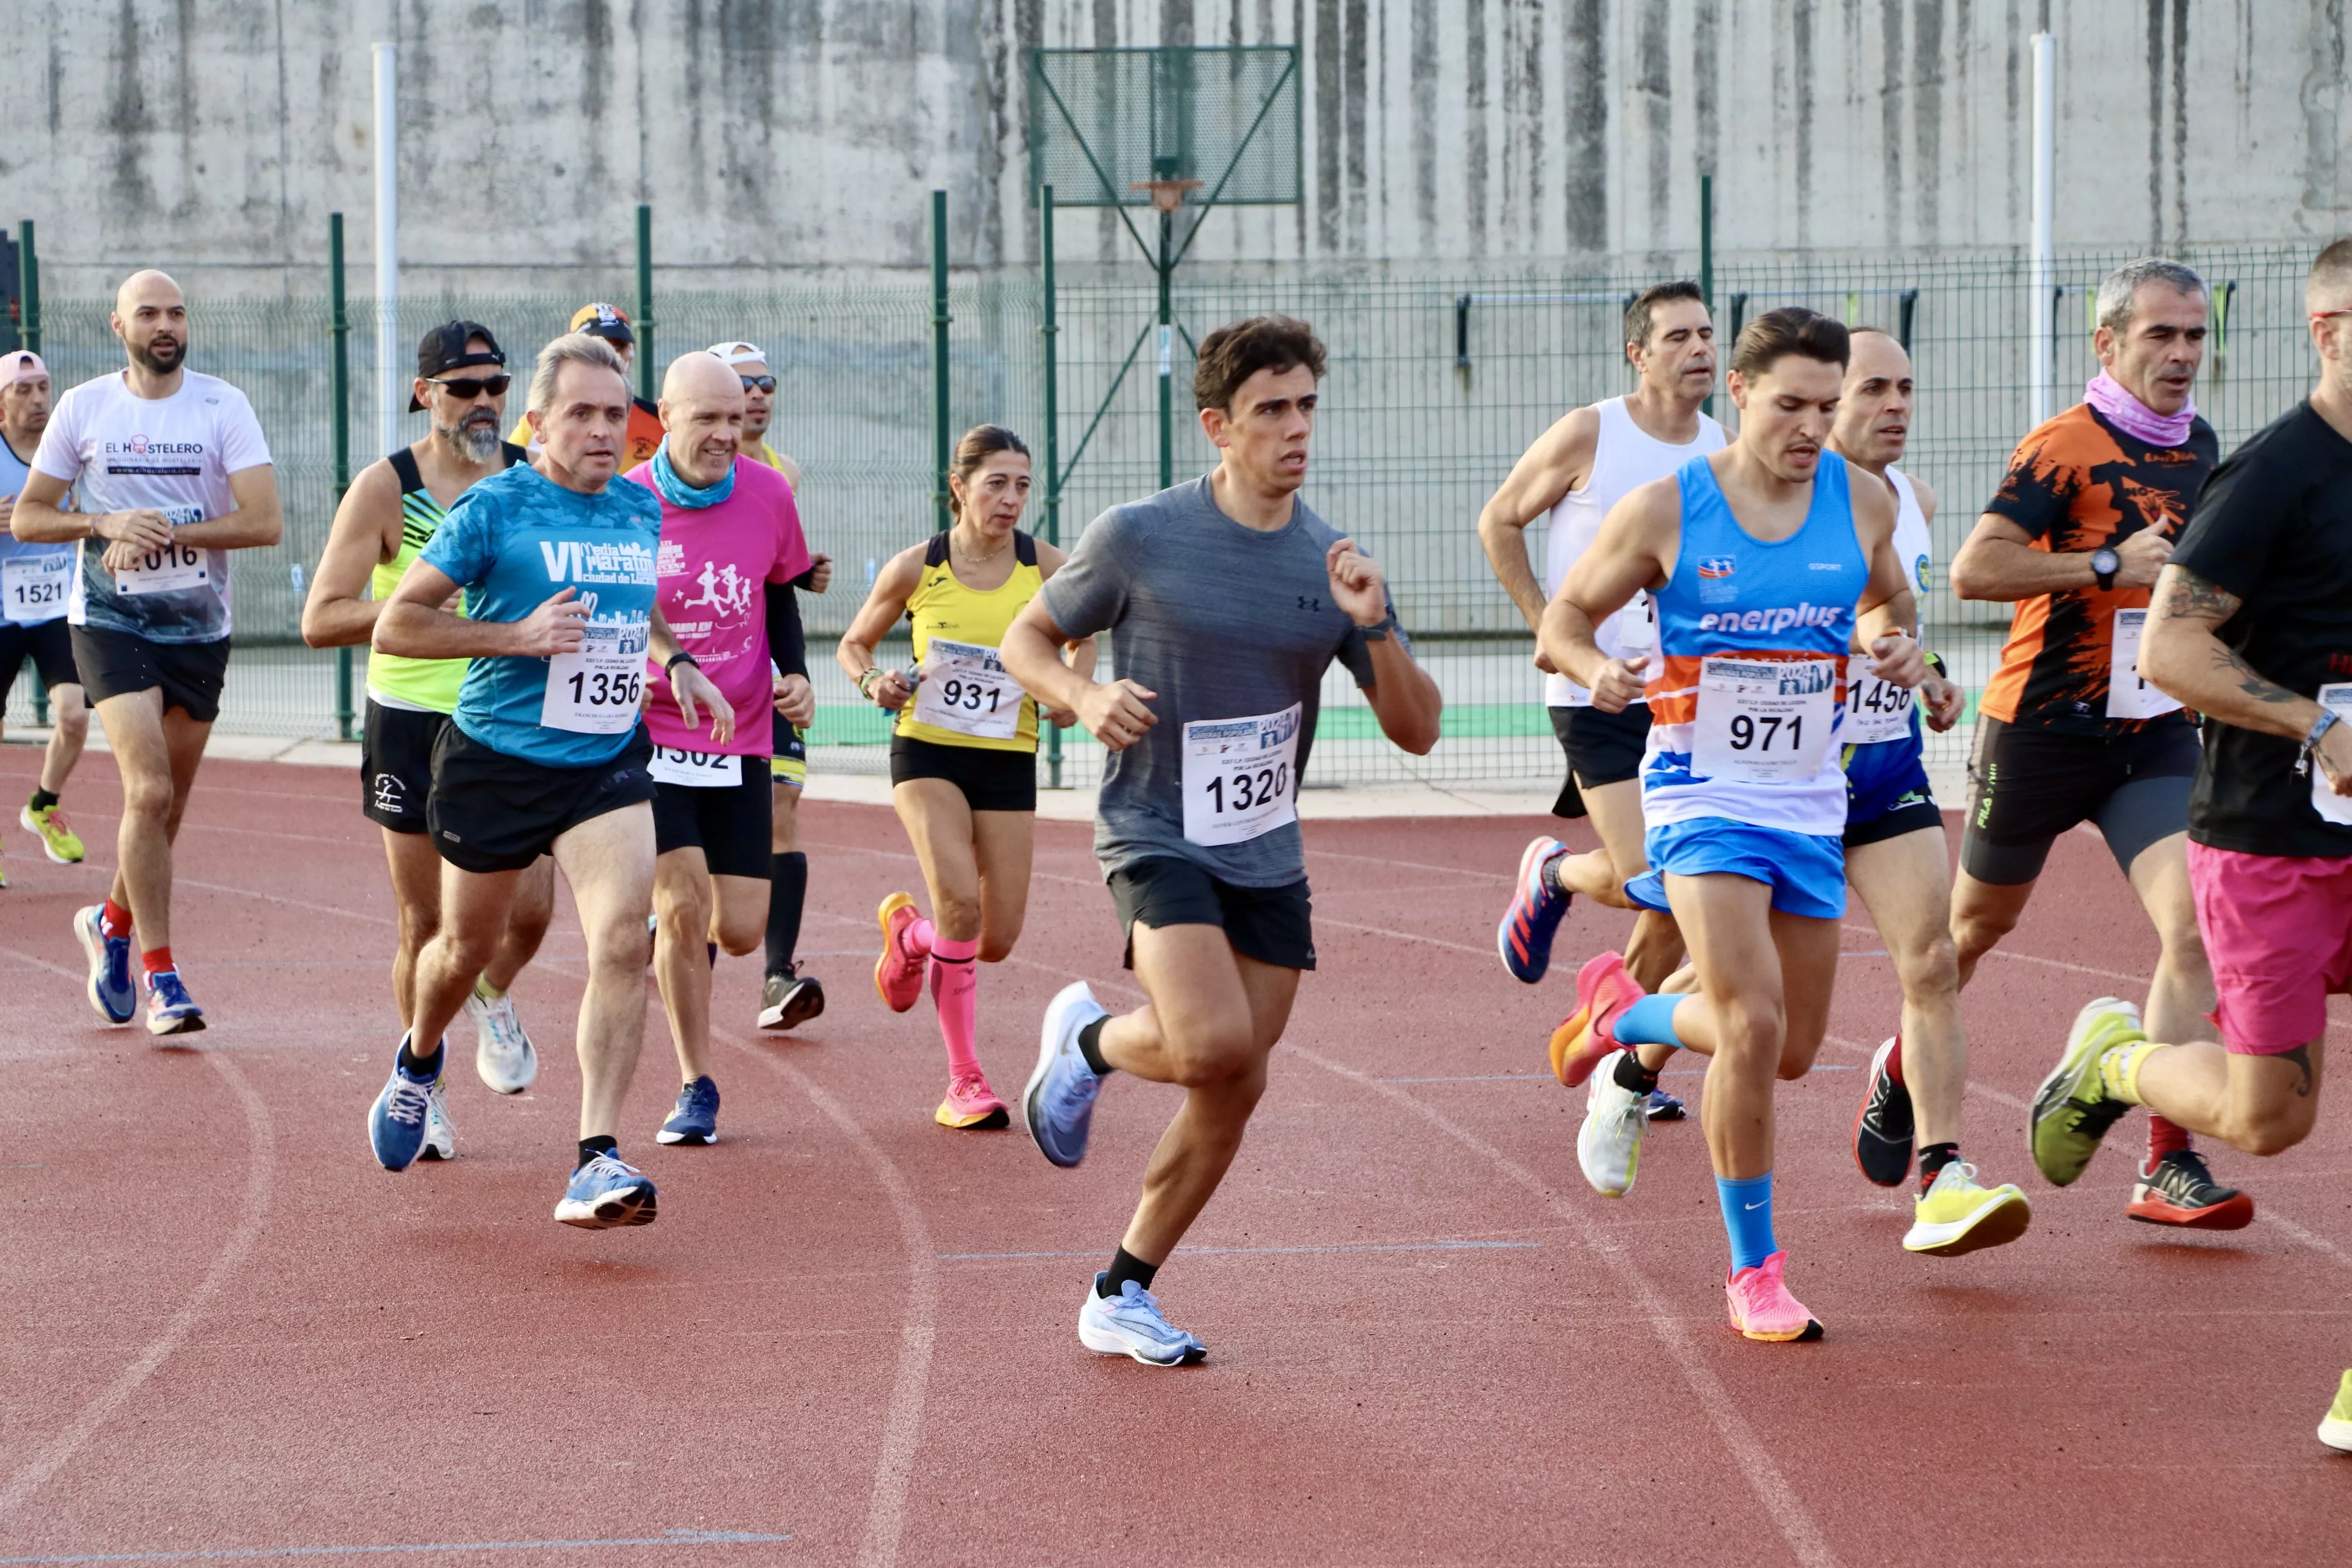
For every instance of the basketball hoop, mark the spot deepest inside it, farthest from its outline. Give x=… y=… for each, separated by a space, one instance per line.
x=1167 y=196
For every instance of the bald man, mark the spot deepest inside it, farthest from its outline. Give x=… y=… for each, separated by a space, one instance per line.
x=174 y=473
x=730 y=547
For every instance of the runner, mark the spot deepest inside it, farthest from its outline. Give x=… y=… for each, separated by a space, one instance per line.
x=787 y=997
x=730 y=546
x=610 y=323
x=1575 y=473
x=963 y=754
x=33 y=583
x=1766 y=568
x=1228 y=598
x=389 y=515
x=2093 y=505
x=174 y=473
x=2252 y=626
x=544 y=753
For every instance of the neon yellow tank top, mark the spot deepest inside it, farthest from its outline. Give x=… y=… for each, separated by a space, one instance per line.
x=428 y=683
x=941 y=606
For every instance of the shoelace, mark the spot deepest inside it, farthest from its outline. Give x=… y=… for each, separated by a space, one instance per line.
x=505 y=1027
x=608 y=1168
x=1078 y=1090
x=407 y=1102
x=971 y=1088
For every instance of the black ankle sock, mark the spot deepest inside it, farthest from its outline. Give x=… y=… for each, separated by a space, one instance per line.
x=43 y=800
x=1090 y=1048
x=592 y=1147
x=414 y=1066
x=1125 y=1266
x=1632 y=1076
x=1550 y=875
x=787 y=894
x=1934 y=1158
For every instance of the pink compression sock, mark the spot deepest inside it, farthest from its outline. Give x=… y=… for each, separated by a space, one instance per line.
x=921 y=934
x=955 y=993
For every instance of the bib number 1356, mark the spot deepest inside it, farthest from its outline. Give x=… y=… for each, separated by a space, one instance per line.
x=1241 y=776
x=595 y=688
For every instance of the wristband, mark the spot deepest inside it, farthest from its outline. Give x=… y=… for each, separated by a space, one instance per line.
x=669 y=665
x=865 y=683
x=1379 y=630
x=2319 y=727
x=1935 y=663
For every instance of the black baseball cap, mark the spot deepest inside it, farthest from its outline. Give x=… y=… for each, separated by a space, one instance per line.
x=444 y=349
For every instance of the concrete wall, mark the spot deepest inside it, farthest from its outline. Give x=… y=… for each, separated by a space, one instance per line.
x=216 y=135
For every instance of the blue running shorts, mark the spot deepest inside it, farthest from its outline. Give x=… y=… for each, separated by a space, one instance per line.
x=1806 y=871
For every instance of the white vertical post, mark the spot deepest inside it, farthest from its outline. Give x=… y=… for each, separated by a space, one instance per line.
x=2045 y=210
x=391 y=395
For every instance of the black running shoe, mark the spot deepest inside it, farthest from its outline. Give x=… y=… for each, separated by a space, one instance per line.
x=1882 y=1132
x=790 y=999
x=2180 y=1191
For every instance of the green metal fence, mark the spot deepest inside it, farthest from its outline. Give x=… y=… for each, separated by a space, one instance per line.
x=1435 y=387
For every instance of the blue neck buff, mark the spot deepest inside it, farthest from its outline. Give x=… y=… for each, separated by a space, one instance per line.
x=676 y=491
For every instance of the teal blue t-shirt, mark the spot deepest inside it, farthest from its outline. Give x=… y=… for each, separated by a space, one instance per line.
x=512 y=541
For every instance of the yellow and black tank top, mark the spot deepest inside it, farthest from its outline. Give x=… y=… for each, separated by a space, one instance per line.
x=966 y=699
x=421 y=685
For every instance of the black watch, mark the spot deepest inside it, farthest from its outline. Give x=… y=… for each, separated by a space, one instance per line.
x=670 y=664
x=2105 y=565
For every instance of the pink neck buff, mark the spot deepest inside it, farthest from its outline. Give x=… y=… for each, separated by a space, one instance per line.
x=2131 y=416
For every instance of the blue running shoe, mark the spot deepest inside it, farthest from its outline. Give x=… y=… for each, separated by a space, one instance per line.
x=1524 y=939
x=695 y=1119
x=1129 y=1324
x=110 y=991
x=397 y=1121
x=1665 y=1106
x=1059 y=1103
x=606 y=1193
x=170 y=1009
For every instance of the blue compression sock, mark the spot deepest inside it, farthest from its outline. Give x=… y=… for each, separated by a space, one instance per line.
x=1747 y=1217
x=1649 y=1022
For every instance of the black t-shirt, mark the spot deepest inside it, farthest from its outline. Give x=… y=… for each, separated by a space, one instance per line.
x=2273 y=529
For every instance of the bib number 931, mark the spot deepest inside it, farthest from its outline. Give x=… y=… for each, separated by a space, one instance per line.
x=1241 y=776
x=965 y=690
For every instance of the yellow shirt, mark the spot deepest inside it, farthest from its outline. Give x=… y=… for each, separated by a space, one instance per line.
x=941 y=606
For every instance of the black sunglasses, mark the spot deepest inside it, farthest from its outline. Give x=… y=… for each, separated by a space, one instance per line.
x=466 y=388
x=763 y=382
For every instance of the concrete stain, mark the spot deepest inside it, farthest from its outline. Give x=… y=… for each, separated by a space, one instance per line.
x=2322 y=101
x=1473 y=128
x=1653 y=89
x=1328 y=134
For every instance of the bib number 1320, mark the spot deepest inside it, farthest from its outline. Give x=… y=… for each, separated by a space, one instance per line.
x=1241 y=776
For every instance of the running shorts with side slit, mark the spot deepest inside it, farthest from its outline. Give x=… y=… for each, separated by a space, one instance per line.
x=1806 y=871
x=990 y=780
x=49 y=644
x=396 y=765
x=1273 y=925
x=2026 y=786
x=1603 y=748
x=115 y=664
x=2278 y=932
x=1886 y=792
x=730 y=825
x=490 y=811
x=790 y=764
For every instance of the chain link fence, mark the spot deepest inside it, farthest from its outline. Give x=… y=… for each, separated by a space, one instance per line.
x=1435 y=388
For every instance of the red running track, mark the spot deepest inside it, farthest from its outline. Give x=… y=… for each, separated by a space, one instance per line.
x=849 y=1340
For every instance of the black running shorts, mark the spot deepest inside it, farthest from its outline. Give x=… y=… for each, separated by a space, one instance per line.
x=2026 y=786
x=1273 y=925
x=1603 y=748
x=729 y=824
x=490 y=811
x=990 y=780
x=50 y=646
x=114 y=664
x=396 y=765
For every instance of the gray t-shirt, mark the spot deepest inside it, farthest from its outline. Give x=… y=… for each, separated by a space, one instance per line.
x=1222 y=622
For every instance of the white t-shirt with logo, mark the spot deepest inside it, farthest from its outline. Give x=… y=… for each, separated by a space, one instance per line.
x=174 y=455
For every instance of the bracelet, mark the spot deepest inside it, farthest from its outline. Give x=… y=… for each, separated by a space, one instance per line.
x=2326 y=720
x=681 y=657
x=865 y=683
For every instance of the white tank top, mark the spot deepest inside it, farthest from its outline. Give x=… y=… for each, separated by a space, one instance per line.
x=1912 y=545
x=1623 y=457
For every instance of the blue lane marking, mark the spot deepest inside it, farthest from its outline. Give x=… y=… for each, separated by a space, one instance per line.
x=241 y=1554
x=1241 y=1251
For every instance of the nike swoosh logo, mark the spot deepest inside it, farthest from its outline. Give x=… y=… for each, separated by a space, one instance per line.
x=1751 y=1208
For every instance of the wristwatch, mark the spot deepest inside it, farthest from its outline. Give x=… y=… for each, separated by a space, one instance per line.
x=2105 y=565
x=671 y=663
x=1379 y=630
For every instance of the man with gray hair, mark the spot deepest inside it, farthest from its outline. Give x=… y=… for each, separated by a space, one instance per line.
x=545 y=753
x=2067 y=731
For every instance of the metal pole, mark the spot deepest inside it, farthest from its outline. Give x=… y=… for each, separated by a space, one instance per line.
x=1707 y=258
x=2045 y=200
x=28 y=287
x=341 y=394
x=1051 y=333
x=645 y=301
x=390 y=404
x=942 y=441
x=1167 y=358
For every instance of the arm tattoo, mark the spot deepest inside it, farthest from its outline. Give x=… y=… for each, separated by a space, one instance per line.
x=2195 y=599
x=2250 y=679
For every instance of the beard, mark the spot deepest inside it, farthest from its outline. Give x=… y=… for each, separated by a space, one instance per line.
x=158 y=356
x=474 y=439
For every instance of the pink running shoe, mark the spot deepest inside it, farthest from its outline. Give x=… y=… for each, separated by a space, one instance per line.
x=1603 y=990
x=898 y=973
x=972 y=1104
x=1761 y=1307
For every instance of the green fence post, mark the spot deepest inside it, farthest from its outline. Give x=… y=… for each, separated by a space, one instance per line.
x=340 y=394
x=29 y=297
x=942 y=440
x=1051 y=331
x=1707 y=258
x=644 y=301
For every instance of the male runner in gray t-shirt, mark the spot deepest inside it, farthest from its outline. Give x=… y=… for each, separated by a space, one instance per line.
x=1226 y=599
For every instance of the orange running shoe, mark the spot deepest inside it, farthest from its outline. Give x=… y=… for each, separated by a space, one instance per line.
x=1603 y=990
x=2178 y=1190
x=971 y=1105
x=1761 y=1307
x=898 y=973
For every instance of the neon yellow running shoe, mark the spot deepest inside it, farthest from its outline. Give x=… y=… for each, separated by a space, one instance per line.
x=1954 y=1215
x=2335 y=1431
x=2072 y=1111
x=55 y=834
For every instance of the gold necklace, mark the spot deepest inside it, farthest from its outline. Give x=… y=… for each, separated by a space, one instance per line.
x=979 y=559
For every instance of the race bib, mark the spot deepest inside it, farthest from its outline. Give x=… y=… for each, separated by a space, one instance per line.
x=594 y=690
x=694 y=770
x=1764 y=721
x=965 y=689
x=1241 y=776
x=2129 y=696
x=33 y=587
x=2331 y=806
x=1875 y=710
x=1637 y=625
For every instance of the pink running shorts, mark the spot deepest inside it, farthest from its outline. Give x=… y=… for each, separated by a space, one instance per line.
x=2278 y=932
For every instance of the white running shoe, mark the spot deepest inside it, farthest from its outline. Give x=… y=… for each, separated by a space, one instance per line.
x=1609 y=1144
x=440 y=1132
x=503 y=1054
x=1129 y=1324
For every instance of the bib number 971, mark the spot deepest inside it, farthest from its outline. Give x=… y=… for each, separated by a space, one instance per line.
x=1763 y=721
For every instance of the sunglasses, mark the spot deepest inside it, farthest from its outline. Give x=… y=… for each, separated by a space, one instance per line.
x=467 y=388
x=760 y=382
x=2324 y=315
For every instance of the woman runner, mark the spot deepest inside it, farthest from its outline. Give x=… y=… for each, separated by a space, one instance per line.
x=963 y=757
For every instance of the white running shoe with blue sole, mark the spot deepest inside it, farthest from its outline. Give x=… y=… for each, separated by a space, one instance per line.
x=607 y=1192
x=170 y=1009
x=440 y=1132
x=396 y=1122
x=1059 y=1103
x=503 y=1054
x=1129 y=1324
x=111 y=990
